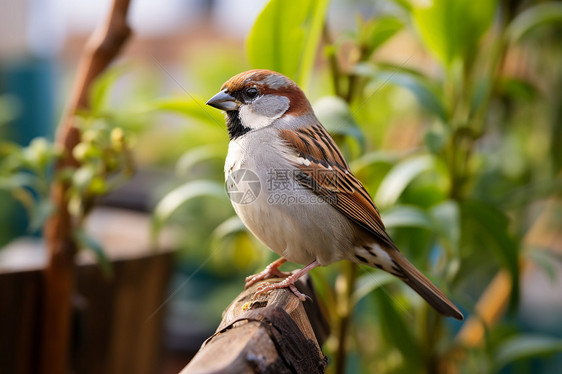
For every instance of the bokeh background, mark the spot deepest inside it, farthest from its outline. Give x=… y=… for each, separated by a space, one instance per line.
x=449 y=111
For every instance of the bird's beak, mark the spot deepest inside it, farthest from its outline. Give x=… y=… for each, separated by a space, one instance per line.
x=223 y=101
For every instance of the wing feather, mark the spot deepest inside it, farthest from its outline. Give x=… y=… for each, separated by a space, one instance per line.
x=324 y=171
x=327 y=174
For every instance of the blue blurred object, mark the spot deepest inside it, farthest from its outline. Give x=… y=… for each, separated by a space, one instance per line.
x=31 y=83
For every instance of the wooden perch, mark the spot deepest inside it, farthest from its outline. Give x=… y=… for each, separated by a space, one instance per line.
x=277 y=333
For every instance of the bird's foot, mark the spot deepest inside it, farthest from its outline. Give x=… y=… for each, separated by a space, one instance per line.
x=271 y=271
x=288 y=282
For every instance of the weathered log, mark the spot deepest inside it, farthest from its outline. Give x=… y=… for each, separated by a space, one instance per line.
x=276 y=333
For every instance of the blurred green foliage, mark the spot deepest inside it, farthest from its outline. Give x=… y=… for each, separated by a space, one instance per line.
x=103 y=153
x=285 y=38
x=457 y=142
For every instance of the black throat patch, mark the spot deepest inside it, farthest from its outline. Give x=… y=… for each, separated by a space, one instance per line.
x=234 y=125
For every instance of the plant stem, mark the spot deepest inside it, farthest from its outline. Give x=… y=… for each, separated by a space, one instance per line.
x=332 y=60
x=345 y=283
x=59 y=275
x=354 y=79
x=344 y=290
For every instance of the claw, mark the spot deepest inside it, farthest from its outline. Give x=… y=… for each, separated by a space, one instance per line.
x=287 y=283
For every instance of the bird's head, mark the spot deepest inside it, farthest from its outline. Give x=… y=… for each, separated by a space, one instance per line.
x=255 y=99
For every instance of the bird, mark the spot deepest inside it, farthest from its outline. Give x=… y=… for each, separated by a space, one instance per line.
x=310 y=209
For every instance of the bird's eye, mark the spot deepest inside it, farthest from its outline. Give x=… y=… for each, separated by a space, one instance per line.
x=252 y=92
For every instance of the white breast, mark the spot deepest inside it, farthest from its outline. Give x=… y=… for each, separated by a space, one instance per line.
x=290 y=221
x=235 y=157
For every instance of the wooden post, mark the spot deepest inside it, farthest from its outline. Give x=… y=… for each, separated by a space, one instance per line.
x=60 y=273
x=277 y=333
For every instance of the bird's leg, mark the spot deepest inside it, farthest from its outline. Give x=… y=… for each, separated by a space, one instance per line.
x=271 y=271
x=288 y=282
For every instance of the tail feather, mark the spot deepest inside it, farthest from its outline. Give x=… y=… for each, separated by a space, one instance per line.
x=423 y=286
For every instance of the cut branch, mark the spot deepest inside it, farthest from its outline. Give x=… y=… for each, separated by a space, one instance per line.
x=276 y=333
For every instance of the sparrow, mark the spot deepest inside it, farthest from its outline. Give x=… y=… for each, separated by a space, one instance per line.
x=310 y=210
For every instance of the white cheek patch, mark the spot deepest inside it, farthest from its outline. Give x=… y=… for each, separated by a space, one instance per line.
x=253 y=120
x=263 y=111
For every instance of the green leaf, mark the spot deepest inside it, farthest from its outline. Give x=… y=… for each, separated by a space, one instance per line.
x=369 y=159
x=100 y=89
x=452 y=29
x=428 y=95
x=406 y=216
x=519 y=89
x=334 y=113
x=179 y=196
x=285 y=37
x=237 y=245
x=84 y=152
x=10 y=108
x=25 y=197
x=396 y=331
x=399 y=177
x=404 y=4
x=76 y=206
x=369 y=282
x=447 y=216
x=244 y=254
x=312 y=41
x=39 y=154
x=200 y=154
x=487 y=228
x=231 y=226
x=546 y=259
x=375 y=32
x=39 y=214
x=83 y=177
x=538 y=15
x=523 y=347
x=85 y=241
x=435 y=139
x=189 y=106
x=18 y=180
x=10 y=149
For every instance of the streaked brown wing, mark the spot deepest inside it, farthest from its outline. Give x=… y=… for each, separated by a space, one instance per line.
x=325 y=172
